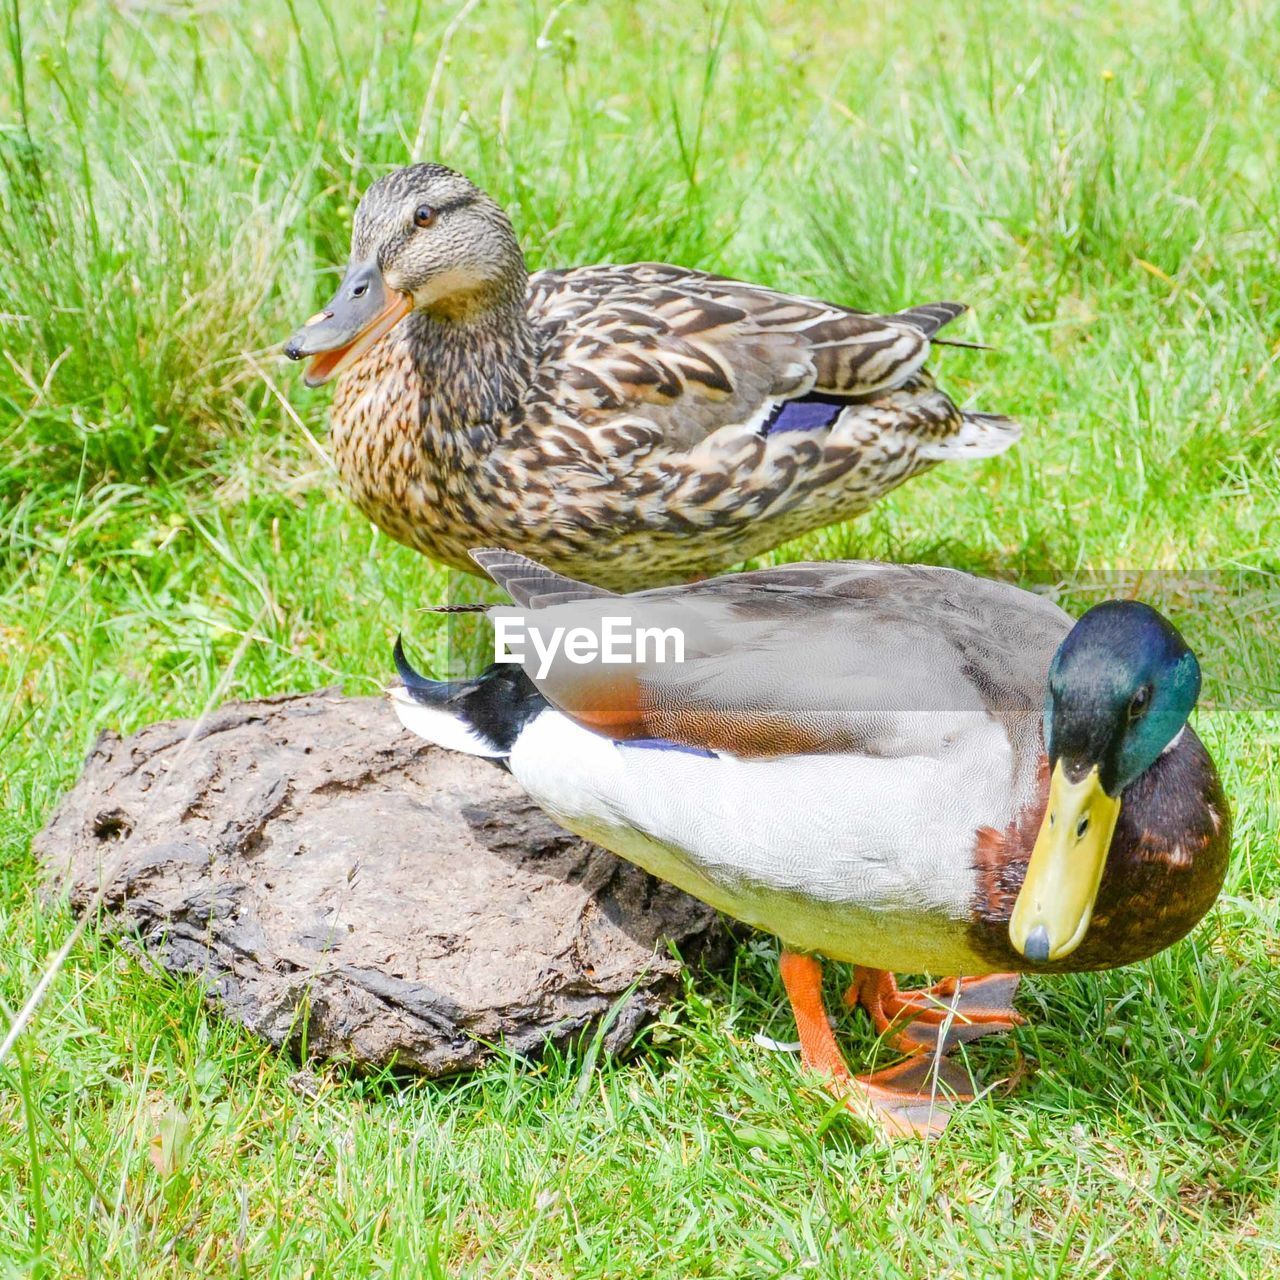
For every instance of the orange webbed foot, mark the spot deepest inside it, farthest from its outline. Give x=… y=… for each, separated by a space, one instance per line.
x=912 y=1098
x=955 y=1011
x=917 y=1095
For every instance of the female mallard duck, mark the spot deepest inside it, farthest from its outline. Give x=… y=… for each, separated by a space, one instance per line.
x=630 y=425
x=903 y=767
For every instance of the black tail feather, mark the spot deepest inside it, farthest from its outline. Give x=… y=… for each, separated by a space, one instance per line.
x=956 y=342
x=423 y=688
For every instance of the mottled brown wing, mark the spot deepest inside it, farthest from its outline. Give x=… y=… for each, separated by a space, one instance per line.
x=685 y=353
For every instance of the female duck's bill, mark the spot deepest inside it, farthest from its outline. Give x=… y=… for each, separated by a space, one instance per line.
x=363 y=310
x=1120 y=690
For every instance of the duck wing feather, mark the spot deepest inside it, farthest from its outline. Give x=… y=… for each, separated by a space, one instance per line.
x=852 y=656
x=685 y=352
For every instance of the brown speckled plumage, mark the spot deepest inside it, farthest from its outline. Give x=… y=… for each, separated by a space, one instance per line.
x=614 y=421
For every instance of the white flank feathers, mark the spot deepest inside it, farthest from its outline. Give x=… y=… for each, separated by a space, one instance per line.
x=440 y=727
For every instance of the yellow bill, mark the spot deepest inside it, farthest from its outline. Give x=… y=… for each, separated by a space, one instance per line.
x=1055 y=905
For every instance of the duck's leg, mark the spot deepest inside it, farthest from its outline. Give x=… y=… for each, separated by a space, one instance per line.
x=983 y=1007
x=905 y=1097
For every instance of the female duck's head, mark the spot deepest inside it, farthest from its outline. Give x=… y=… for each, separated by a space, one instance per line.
x=1121 y=687
x=424 y=238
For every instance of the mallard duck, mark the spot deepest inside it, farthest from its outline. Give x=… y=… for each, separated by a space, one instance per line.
x=902 y=767
x=628 y=425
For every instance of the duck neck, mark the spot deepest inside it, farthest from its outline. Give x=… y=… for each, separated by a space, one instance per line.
x=474 y=367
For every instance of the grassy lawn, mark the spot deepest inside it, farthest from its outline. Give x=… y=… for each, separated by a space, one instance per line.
x=176 y=182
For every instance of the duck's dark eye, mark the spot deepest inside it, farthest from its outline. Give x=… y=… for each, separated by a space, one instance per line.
x=1138 y=703
x=424 y=215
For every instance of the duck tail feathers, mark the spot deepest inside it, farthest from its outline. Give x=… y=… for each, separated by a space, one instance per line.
x=481 y=716
x=981 y=435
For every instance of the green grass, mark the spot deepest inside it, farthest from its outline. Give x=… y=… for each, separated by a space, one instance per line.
x=1100 y=180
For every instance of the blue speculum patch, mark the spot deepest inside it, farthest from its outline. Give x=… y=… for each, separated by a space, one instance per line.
x=808 y=413
x=663 y=744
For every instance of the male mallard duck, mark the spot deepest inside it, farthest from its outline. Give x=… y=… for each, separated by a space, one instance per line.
x=907 y=768
x=630 y=425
